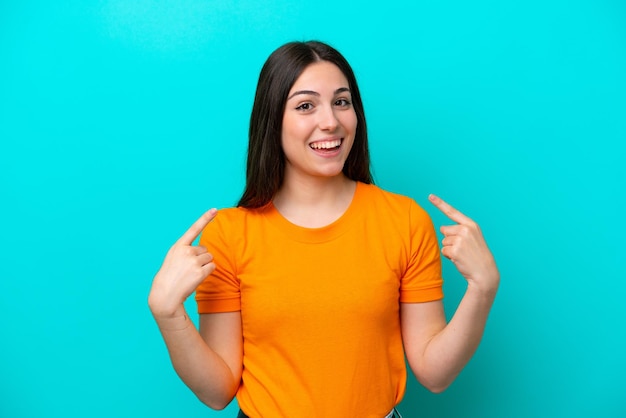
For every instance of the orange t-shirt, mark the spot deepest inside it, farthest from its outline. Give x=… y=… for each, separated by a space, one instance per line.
x=320 y=306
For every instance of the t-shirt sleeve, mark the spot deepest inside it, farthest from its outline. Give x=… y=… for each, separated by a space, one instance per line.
x=422 y=281
x=220 y=291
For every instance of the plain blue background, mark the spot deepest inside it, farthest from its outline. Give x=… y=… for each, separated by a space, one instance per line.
x=122 y=121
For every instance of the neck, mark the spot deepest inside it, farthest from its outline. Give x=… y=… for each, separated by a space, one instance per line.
x=314 y=201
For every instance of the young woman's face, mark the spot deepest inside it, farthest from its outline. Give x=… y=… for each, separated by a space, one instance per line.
x=319 y=123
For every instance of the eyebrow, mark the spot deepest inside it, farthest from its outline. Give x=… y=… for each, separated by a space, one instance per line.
x=314 y=93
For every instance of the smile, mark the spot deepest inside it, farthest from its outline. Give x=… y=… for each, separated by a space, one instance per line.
x=326 y=145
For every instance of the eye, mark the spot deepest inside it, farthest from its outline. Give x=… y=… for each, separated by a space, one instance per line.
x=342 y=102
x=305 y=106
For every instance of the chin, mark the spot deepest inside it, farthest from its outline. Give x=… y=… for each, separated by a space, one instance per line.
x=335 y=172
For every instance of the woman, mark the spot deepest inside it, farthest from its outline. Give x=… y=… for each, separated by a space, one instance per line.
x=314 y=288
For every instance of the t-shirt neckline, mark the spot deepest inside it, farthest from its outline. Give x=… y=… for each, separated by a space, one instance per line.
x=324 y=233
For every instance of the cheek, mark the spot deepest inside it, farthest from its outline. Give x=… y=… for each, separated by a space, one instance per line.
x=296 y=129
x=292 y=135
x=350 y=122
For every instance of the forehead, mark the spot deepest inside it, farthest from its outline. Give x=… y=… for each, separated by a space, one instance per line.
x=320 y=76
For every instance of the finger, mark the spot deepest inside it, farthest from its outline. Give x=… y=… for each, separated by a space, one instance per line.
x=208 y=269
x=199 y=249
x=449 y=230
x=448 y=210
x=192 y=233
x=205 y=258
x=450 y=240
x=448 y=252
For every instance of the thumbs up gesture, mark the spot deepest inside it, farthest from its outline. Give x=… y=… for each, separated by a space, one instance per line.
x=184 y=268
x=465 y=246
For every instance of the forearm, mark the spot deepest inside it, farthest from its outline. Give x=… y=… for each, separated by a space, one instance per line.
x=198 y=366
x=447 y=353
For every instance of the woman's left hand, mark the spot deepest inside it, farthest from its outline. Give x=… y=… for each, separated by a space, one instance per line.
x=464 y=245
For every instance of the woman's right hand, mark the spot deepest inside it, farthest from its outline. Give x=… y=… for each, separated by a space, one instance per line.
x=184 y=268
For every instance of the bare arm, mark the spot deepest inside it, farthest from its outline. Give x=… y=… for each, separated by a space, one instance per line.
x=209 y=361
x=436 y=351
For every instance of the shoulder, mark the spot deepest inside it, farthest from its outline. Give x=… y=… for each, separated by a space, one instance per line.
x=231 y=223
x=238 y=215
x=394 y=203
x=234 y=214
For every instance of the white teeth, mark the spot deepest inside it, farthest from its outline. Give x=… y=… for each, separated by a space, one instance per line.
x=326 y=144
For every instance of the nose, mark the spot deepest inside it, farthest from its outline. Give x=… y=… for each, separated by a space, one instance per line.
x=328 y=119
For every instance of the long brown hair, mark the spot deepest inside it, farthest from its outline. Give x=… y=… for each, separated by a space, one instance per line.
x=265 y=168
